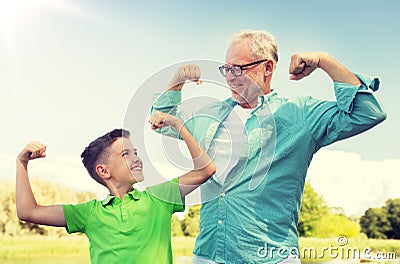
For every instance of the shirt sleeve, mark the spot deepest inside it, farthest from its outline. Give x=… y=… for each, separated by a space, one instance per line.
x=169 y=192
x=168 y=102
x=346 y=93
x=76 y=216
x=355 y=110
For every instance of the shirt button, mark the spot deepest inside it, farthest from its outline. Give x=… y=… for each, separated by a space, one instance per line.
x=219 y=221
x=222 y=194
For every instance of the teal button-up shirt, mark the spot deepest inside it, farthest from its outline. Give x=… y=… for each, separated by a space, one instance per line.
x=253 y=216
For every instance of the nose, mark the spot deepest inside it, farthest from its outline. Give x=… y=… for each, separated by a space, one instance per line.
x=229 y=76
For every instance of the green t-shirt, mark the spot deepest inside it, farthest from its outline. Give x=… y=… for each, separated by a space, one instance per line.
x=136 y=229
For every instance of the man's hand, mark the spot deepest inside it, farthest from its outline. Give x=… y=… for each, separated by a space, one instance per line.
x=186 y=72
x=32 y=151
x=303 y=64
x=160 y=119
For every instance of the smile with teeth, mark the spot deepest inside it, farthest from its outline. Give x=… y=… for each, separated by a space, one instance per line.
x=236 y=88
x=136 y=168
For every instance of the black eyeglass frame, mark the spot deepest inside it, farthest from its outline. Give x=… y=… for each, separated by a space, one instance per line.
x=240 y=67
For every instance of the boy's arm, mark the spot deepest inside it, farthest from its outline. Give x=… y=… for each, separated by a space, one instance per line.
x=27 y=208
x=203 y=167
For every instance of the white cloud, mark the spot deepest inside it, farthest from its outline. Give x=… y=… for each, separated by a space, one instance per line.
x=347 y=181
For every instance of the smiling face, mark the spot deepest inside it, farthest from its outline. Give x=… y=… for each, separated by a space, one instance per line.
x=253 y=82
x=123 y=164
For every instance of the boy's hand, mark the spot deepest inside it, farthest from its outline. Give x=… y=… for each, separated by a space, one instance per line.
x=160 y=119
x=32 y=151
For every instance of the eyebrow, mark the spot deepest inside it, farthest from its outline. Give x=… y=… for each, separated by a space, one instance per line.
x=128 y=149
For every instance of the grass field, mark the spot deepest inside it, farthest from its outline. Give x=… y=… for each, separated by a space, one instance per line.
x=42 y=246
x=315 y=250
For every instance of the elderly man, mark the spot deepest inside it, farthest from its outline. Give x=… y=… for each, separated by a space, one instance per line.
x=251 y=205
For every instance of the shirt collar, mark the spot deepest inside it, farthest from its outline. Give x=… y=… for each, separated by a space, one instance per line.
x=262 y=99
x=269 y=98
x=135 y=194
x=265 y=102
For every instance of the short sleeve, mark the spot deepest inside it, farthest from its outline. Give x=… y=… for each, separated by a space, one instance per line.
x=76 y=216
x=169 y=192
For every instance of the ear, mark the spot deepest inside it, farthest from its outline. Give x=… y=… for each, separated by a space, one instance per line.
x=102 y=171
x=269 y=67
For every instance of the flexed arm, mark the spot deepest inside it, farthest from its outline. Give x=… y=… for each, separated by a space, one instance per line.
x=356 y=108
x=169 y=101
x=303 y=64
x=27 y=207
x=186 y=72
x=203 y=167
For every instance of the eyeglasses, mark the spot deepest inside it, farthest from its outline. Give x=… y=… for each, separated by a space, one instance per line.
x=237 y=70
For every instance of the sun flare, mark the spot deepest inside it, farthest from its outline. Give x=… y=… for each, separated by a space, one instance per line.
x=16 y=13
x=12 y=11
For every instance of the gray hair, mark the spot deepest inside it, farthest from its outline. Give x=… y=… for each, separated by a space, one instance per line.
x=262 y=43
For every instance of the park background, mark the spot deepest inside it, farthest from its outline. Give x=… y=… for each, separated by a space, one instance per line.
x=68 y=71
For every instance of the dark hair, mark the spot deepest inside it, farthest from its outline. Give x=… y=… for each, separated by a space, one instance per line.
x=97 y=152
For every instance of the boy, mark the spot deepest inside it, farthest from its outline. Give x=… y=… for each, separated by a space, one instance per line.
x=129 y=226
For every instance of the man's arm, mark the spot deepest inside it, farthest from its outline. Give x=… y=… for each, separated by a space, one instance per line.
x=27 y=208
x=356 y=108
x=303 y=64
x=170 y=99
x=203 y=167
x=186 y=72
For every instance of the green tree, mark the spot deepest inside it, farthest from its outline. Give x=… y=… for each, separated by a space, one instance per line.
x=393 y=215
x=46 y=193
x=176 y=226
x=9 y=224
x=191 y=223
x=375 y=223
x=382 y=222
x=313 y=208
x=334 y=225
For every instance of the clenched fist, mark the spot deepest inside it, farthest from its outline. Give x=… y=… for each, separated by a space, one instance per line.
x=160 y=119
x=186 y=72
x=303 y=64
x=32 y=151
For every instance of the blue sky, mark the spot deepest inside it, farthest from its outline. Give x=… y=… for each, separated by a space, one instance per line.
x=68 y=71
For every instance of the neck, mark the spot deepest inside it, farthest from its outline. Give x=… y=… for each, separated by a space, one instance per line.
x=248 y=106
x=119 y=191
